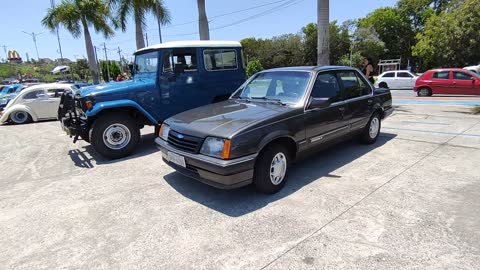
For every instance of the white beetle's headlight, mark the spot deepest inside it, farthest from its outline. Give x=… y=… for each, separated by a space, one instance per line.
x=216 y=147
x=164 y=130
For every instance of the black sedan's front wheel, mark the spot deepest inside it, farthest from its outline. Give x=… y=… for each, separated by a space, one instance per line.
x=114 y=135
x=271 y=169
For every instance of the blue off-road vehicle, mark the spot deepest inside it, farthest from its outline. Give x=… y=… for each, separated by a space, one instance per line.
x=168 y=78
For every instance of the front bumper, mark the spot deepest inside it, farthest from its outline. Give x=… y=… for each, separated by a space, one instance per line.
x=223 y=174
x=70 y=116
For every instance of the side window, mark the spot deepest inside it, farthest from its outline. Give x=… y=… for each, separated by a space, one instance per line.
x=33 y=95
x=55 y=93
x=443 y=75
x=353 y=86
x=326 y=86
x=404 y=75
x=220 y=59
x=457 y=75
x=389 y=75
x=184 y=58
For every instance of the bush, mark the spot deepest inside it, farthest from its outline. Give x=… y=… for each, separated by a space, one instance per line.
x=253 y=67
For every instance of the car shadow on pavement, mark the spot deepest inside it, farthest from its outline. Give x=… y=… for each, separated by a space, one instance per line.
x=239 y=202
x=88 y=158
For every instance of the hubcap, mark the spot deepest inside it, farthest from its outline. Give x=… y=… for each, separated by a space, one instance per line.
x=19 y=117
x=278 y=168
x=424 y=92
x=116 y=136
x=374 y=128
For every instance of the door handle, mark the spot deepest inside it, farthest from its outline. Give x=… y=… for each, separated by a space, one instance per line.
x=342 y=109
x=370 y=101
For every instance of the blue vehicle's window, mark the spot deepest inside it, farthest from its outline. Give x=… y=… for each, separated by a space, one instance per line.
x=146 y=63
x=285 y=86
x=220 y=59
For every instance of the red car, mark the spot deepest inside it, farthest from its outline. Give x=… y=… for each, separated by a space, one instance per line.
x=452 y=81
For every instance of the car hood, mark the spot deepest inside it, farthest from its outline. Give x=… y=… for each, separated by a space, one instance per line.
x=115 y=87
x=224 y=119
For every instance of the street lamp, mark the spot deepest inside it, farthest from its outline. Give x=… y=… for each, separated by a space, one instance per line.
x=34 y=37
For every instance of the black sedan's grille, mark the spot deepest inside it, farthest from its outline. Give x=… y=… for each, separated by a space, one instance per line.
x=184 y=142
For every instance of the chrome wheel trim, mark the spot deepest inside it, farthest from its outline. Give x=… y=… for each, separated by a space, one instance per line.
x=278 y=168
x=116 y=136
x=19 y=117
x=374 y=128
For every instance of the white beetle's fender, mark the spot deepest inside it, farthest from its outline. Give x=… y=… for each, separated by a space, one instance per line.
x=17 y=107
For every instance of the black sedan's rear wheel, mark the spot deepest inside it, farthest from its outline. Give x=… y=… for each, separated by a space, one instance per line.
x=372 y=130
x=114 y=135
x=271 y=167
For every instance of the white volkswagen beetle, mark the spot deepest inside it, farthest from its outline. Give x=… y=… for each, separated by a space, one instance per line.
x=39 y=102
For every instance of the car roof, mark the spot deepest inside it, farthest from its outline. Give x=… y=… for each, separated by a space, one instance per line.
x=447 y=69
x=312 y=68
x=192 y=44
x=46 y=85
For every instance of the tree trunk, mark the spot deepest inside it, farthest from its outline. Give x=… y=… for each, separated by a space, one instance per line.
x=323 y=22
x=139 y=30
x=92 y=62
x=203 y=21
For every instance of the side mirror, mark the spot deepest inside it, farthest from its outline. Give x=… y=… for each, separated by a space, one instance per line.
x=179 y=69
x=130 y=67
x=318 y=103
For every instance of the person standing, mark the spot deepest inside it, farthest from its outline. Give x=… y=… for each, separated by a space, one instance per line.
x=368 y=69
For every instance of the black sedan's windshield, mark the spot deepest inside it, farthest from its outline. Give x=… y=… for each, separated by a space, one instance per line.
x=284 y=86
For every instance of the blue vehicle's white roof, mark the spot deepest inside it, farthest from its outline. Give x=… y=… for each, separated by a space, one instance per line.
x=192 y=44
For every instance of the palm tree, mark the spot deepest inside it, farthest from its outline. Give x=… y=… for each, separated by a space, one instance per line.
x=323 y=22
x=77 y=16
x=203 y=21
x=139 y=8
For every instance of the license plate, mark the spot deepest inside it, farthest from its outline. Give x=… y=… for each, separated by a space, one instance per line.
x=175 y=158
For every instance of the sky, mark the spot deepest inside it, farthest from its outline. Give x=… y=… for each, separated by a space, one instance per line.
x=263 y=19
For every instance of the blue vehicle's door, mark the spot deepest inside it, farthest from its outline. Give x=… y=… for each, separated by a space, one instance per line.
x=178 y=81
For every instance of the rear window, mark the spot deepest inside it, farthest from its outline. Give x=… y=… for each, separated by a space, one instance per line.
x=443 y=75
x=220 y=59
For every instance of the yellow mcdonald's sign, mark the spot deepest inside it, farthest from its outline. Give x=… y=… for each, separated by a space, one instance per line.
x=13 y=55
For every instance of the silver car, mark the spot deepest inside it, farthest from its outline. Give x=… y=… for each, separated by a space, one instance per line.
x=397 y=79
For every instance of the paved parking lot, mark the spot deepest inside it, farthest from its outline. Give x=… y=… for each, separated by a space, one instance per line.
x=409 y=201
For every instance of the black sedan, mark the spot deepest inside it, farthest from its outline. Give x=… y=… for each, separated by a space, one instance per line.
x=272 y=119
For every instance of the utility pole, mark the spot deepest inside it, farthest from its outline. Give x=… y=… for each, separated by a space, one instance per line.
x=106 y=61
x=34 y=37
x=58 y=36
x=5 y=49
x=146 y=37
x=120 y=58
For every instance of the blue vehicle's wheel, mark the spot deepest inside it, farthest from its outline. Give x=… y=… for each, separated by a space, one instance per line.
x=114 y=135
x=20 y=117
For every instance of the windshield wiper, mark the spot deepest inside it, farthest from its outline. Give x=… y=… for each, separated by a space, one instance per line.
x=276 y=100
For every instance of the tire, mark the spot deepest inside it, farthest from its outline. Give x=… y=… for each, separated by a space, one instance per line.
x=372 y=130
x=263 y=177
x=424 y=92
x=114 y=135
x=383 y=85
x=20 y=117
x=85 y=136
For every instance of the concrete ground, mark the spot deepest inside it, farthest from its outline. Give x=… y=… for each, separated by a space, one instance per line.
x=410 y=201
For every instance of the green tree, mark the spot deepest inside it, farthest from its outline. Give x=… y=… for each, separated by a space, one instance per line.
x=451 y=37
x=138 y=9
x=367 y=42
x=80 y=69
x=339 y=42
x=77 y=16
x=394 y=29
x=253 y=67
x=323 y=23
x=113 y=70
x=203 y=28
